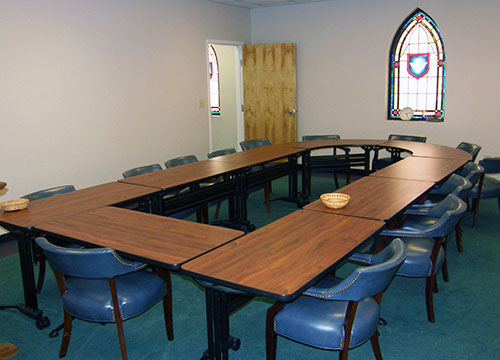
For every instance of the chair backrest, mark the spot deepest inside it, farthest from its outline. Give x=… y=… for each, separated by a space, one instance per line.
x=142 y=170
x=49 y=192
x=95 y=263
x=456 y=185
x=449 y=210
x=252 y=144
x=320 y=137
x=181 y=160
x=472 y=172
x=221 y=152
x=408 y=138
x=371 y=280
x=471 y=148
x=491 y=165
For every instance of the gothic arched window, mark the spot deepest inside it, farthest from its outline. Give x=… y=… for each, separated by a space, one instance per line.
x=417 y=67
x=213 y=65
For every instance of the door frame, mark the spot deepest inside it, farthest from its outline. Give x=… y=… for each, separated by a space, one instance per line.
x=240 y=135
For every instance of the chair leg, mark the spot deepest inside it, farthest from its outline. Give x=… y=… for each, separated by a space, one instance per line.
x=167 y=301
x=271 y=337
x=68 y=319
x=217 y=211
x=429 y=285
x=309 y=175
x=41 y=275
x=118 y=319
x=267 y=190
x=499 y=203
x=444 y=268
x=458 y=233
x=336 y=180
x=376 y=346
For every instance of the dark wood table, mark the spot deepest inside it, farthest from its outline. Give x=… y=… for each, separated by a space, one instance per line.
x=159 y=240
x=278 y=261
x=377 y=198
x=421 y=168
x=192 y=176
x=428 y=150
x=21 y=223
x=284 y=163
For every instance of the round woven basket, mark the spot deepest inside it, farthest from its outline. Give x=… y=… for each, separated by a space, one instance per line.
x=335 y=200
x=13 y=205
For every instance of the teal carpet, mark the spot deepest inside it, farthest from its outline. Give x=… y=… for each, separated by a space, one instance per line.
x=467 y=309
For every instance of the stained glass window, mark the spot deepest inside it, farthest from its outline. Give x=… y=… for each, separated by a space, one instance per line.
x=417 y=67
x=213 y=67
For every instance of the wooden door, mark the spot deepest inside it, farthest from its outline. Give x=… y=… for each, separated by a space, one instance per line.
x=270 y=92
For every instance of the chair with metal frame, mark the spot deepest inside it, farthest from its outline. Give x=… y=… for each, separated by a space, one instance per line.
x=338 y=314
x=97 y=285
x=333 y=163
x=425 y=231
x=380 y=163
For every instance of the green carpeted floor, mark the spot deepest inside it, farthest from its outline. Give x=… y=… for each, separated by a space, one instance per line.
x=467 y=309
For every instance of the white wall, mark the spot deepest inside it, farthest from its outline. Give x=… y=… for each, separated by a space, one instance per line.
x=342 y=61
x=224 y=129
x=90 y=88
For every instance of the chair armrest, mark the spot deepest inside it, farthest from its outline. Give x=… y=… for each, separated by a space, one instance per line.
x=400 y=233
x=360 y=257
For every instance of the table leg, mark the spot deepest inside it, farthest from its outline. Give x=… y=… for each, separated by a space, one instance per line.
x=30 y=306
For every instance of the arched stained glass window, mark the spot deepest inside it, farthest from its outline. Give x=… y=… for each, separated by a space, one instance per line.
x=417 y=67
x=213 y=66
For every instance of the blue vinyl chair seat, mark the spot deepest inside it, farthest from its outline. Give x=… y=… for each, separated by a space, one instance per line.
x=90 y=299
x=322 y=316
x=471 y=148
x=320 y=323
x=491 y=188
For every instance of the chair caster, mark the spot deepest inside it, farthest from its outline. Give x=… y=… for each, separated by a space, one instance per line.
x=42 y=323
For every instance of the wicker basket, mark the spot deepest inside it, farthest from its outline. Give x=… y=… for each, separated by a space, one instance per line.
x=335 y=200
x=13 y=205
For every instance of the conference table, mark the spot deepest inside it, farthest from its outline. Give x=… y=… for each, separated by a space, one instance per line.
x=267 y=262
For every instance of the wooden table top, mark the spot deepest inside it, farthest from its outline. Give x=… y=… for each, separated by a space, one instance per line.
x=318 y=144
x=42 y=210
x=282 y=259
x=421 y=168
x=163 y=240
x=428 y=150
x=376 y=197
x=183 y=174
x=259 y=155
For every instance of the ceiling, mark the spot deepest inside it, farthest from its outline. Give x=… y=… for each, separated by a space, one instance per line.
x=252 y=4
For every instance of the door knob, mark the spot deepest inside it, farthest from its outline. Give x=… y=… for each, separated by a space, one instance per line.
x=292 y=111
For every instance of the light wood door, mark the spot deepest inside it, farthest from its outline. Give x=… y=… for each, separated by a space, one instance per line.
x=270 y=92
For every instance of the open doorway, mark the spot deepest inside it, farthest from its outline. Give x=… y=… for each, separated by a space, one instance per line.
x=225 y=115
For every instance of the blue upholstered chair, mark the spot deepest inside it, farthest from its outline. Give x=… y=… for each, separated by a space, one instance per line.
x=214 y=154
x=37 y=254
x=202 y=210
x=335 y=311
x=471 y=148
x=142 y=170
x=252 y=144
x=97 y=285
x=381 y=163
x=456 y=185
x=334 y=162
x=488 y=188
x=425 y=232
x=475 y=174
